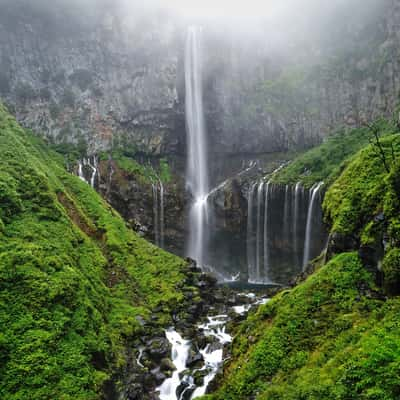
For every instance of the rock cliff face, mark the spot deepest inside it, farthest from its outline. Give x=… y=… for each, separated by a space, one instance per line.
x=102 y=77
x=91 y=76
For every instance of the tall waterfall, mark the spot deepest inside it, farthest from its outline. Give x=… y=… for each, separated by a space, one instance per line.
x=158 y=213
x=197 y=174
x=250 y=237
x=310 y=215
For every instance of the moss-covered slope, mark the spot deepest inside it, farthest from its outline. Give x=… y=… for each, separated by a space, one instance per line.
x=337 y=334
x=73 y=278
x=327 y=161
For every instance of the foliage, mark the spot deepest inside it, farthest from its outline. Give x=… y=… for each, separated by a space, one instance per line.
x=73 y=278
x=391 y=271
x=357 y=196
x=325 y=339
x=165 y=172
x=327 y=161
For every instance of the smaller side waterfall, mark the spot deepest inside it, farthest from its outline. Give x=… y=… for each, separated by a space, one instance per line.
x=310 y=215
x=266 y=238
x=80 y=172
x=87 y=169
x=284 y=230
x=94 y=171
x=155 y=215
x=259 y=230
x=162 y=244
x=158 y=213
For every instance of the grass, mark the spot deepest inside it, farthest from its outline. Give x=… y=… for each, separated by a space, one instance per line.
x=73 y=278
x=336 y=335
x=328 y=338
x=327 y=161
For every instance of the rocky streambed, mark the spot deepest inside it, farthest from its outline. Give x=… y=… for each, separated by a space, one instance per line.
x=181 y=361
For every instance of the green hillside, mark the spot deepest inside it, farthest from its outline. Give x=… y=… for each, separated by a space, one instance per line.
x=73 y=278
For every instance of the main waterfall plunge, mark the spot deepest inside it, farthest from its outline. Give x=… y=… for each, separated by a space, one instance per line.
x=197 y=173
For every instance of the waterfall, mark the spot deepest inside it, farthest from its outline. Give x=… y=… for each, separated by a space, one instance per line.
x=179 y=355
x=94 y=171
x=197 y=174
x=266 y=239
x=155 y=214
x=310 y=214
x=286 y=214
x=80 y=172
x=250 y=243
x=296 y=216
x=158 y=213
x=258 y=232
x=161 y=215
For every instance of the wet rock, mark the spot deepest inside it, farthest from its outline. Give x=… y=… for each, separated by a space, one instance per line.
x=158 y=348
x=339 y=243
x=185 y=390
x=167 y=365
x=158 y=376
x=194 y=359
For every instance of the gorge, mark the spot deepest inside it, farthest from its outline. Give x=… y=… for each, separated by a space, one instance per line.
x=199 y=204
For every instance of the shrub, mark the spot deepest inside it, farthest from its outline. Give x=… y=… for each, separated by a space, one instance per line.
x=391 y=272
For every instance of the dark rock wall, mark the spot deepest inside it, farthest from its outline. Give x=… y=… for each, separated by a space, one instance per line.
x=104 y=77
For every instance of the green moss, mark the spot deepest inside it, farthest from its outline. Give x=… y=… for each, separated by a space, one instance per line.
x=73 y=278
x=327 y=161
x=145 y=174
x=391 y=271
x=358 y=195
x=325 y=339
x=165 y=172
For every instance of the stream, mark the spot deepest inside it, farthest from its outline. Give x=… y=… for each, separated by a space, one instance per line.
x=186 y=383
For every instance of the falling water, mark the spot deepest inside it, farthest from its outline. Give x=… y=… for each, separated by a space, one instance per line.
x=94 y=171
x=80 y=172
x=313 y=196
x=250 y=244
x=286 y=215
x=197 y=174
x=86 y=162
x=161 y=215
x=266 y=239
x=259 y=231
x=155 y=214
x=158 y=213
x=296 y=215
x=179 y=353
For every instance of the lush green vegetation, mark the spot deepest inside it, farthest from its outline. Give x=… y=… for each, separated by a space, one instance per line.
x=364 y=190
x=336 y=335
x=328 y=338
x=327 y=161
x=73 y=278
